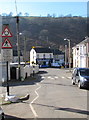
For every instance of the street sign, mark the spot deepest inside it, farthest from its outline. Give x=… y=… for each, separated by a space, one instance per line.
x=6 y=32
x=6 y=44
x=7 y=55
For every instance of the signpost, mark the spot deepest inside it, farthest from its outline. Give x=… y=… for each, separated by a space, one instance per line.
x=6 y=51
x=6 y=32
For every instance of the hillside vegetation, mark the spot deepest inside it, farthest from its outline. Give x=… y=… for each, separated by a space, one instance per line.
x=48 y=31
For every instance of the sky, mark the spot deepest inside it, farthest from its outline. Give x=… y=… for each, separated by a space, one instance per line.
x=42 y=7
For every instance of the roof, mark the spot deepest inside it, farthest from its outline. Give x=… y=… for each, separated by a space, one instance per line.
x=43 y=50
x=48 y=50
x=82 y=42
x=56 y=52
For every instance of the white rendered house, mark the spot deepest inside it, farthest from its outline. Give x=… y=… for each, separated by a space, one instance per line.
x=81 y=54
x=41 y=56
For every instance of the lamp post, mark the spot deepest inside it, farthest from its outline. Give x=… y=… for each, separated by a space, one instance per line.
x=25 y=49
x=65 y=56
x=22 y=34
x=69 y=53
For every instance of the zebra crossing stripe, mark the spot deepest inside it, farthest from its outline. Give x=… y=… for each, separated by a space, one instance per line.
x=63 y=77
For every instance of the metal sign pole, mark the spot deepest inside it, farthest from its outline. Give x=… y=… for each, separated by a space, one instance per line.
x=7 y=79
x=6 y=50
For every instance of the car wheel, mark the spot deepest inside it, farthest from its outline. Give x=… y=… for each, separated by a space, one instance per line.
x=73 y=83
x=79 y=85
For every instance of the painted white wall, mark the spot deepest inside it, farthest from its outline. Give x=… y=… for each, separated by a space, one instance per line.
x=32 y=56
x=80 y=56
x=47 y=55
x=29 y=70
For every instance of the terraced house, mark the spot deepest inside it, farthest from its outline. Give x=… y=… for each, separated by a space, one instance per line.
x=81 y=54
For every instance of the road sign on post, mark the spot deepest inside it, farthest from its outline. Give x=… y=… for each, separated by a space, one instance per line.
x=6 y=32
x=6 y=44
x=6 y=51
x=7 y=55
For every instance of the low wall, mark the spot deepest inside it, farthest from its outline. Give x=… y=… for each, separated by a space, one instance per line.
x=28 y=70
x=3 y=71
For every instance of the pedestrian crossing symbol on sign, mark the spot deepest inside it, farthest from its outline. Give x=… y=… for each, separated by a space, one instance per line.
x=6 y=44
x=6 y=32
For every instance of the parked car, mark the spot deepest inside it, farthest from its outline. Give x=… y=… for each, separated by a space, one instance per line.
x=80 y=76
x=56 y=65
x=1 y=114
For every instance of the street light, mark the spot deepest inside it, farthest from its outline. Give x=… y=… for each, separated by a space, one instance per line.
x=65 y=56
x=69 y=53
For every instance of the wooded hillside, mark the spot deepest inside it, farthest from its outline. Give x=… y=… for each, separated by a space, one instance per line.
x=48 y=31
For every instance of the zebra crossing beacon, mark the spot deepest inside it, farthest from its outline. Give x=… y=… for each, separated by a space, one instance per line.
x=6 y=51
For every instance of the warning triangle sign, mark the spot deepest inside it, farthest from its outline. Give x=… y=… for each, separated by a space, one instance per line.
x=6 y=44
x=6 y=32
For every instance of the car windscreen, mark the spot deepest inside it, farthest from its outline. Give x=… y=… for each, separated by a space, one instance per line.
x=84 y=72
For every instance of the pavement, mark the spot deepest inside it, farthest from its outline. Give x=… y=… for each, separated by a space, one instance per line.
x=16 y=88
x=3 y=88
x=29 y=80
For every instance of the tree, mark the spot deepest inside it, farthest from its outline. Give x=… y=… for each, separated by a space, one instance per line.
x=44 y=32
x=4 y=14
x=48 y=15
x=69 y=15
x=10 y=14
x=54 y=15
x=26 y=14
x=20 y=14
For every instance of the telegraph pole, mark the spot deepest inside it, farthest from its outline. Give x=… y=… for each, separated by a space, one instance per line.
x=65 y=56
x=69 y=54
x=25 y=49
x=18 y=45
x=69 y=57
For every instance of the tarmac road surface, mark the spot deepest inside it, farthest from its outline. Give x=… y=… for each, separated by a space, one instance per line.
x=52 y=95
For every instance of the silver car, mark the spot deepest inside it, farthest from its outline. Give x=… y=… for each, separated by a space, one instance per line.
x=80 y=76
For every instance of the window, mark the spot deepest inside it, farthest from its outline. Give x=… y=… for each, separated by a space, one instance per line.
x=77 y=48
x=43 y=55
x=37 y=56
x=50 y=56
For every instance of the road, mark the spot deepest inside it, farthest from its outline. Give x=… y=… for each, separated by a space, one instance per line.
x=52 y=97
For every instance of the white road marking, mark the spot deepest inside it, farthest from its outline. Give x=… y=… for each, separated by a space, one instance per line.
x=56 y=77
x=69 y=77
x=42 y=77
x=52 y=78
x=62 y=77
x=49 y=76
x=42 y=81
x=32 y=108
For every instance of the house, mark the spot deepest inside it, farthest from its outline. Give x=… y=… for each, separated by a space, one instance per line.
x=81 y=54
x=46 y=56
x=58 y=56
x=41 y=56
